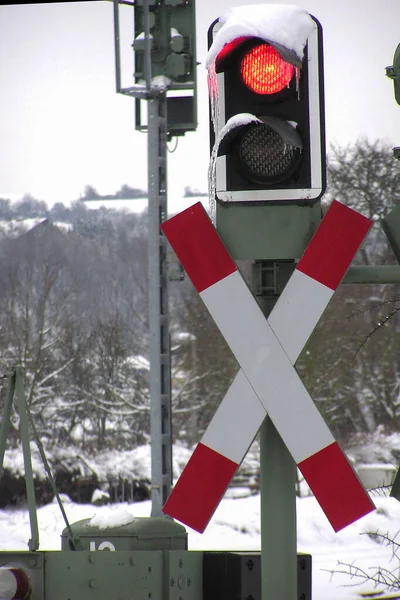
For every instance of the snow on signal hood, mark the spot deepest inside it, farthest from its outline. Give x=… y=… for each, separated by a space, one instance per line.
x=285 y=26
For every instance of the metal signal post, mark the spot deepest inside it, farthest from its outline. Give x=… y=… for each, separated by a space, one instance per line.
x=270 y=176
x=164 y=46
x=160 y=382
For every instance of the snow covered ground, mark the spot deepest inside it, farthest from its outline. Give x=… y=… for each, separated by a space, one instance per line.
x=236 y=523
x=236 y=526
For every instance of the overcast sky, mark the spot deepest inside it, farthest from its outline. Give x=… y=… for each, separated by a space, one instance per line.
x=62 y=125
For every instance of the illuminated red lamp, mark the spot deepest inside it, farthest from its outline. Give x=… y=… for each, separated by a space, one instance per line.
x=263 y=71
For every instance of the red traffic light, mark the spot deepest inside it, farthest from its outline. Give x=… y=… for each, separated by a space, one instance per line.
x=263 y=71
x=267 y=106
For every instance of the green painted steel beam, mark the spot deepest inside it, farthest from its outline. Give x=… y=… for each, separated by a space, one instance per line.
x=373 y=274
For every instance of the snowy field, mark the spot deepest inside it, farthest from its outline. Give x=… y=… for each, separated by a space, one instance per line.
x=236 y=526
x=138 y=205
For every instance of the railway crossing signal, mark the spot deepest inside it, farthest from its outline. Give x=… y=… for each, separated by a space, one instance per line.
x=172 y=41
x=271 y=104
x=266 y=351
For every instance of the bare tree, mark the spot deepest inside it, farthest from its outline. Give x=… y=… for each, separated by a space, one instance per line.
x=365 y=176
x=202 y=364
x=351 y=363
x=33 y=305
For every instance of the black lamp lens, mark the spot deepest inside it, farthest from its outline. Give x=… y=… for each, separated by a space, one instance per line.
x=265 y=155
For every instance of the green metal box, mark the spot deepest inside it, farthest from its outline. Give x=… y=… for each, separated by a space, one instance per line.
x=139 y=534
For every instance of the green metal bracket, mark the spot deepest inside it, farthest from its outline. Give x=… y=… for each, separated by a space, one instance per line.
x=267 y=232
x=270 y=277
x=282 y=233
x=381 y=273
x=373 y=274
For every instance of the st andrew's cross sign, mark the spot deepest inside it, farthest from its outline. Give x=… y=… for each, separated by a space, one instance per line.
x=266 y=350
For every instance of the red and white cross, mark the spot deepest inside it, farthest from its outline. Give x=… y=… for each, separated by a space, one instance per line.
x=266 y=350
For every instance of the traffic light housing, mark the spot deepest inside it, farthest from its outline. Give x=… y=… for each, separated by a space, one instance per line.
x=172 y=29
x=271 y=134
x=393 y=72
x=173 y=41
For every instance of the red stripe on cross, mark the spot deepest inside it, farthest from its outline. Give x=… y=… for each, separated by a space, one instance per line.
x=334 y=244
x=203 y=483
x=201 y=252
x=336 y=486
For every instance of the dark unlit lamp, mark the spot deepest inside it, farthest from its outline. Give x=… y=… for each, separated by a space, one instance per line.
x=266 y=154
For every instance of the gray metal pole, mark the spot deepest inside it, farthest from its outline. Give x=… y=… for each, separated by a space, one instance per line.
x=277 y=470
x=24 y=431
x=5 y=424
x=159 y=343
x=147 y=44
x=160 y=385
x=278 y=517
x=116 y=47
